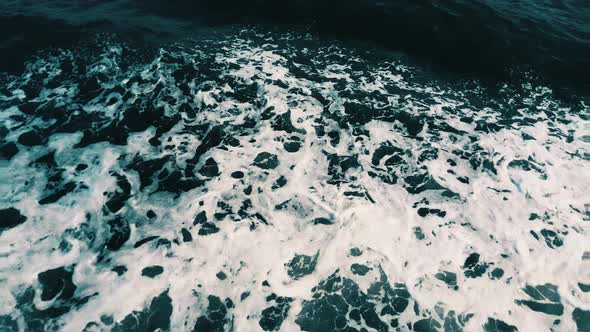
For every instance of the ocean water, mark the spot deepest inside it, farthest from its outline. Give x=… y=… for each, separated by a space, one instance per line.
x=302 y=166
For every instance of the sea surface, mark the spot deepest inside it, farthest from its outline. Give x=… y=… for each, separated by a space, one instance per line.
x=302 y=165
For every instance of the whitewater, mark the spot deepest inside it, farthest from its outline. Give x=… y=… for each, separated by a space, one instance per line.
x=254 y=180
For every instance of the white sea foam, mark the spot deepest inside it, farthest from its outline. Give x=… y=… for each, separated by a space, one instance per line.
x=488 y=200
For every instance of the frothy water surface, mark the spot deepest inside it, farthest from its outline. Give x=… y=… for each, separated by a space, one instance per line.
x=261 y=181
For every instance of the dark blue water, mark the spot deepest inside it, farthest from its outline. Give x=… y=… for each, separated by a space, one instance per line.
x=482 y=38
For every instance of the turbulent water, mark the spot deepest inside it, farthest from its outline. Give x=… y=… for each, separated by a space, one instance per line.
x=256 y=179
